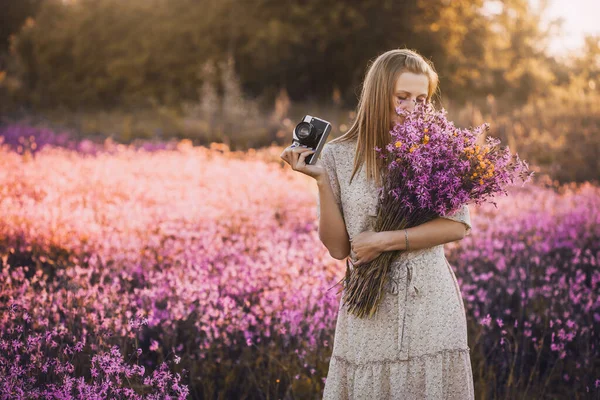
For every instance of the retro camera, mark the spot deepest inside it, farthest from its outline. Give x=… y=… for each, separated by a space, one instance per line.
x=312 y=132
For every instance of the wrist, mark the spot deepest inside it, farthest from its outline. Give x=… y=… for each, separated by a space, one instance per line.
x=383 y=241
x=391 y=240
x=322 y=180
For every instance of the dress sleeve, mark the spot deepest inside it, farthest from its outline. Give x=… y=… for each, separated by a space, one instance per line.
x=462 y=215
x=328 y=162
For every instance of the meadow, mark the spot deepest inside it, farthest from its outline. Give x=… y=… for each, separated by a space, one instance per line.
x=168 y=270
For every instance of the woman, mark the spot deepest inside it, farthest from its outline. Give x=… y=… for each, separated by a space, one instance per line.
x=415 y=347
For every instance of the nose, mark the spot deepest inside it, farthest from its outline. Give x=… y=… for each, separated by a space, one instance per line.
x=410 y=104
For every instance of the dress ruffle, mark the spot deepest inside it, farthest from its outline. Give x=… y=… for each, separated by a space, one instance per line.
x=445 y=374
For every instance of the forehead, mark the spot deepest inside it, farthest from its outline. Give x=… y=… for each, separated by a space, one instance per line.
x=412 y=83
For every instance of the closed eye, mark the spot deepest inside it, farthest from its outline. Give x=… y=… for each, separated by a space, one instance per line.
x=420 y=99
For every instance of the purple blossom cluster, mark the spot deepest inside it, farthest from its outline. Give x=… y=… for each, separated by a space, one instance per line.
x=91 y=242
x=29 y=140
x=42 y=362
x=531 y=285
x=176 y=258
x=433 y=167
x=25 y=139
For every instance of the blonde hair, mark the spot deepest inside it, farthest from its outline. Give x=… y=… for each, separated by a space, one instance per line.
x=373 y=114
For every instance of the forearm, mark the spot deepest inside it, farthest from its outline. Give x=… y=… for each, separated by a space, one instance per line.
x=332 y=227
x=432 y=233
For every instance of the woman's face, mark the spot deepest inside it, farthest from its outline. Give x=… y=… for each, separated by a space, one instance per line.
x=410 y=88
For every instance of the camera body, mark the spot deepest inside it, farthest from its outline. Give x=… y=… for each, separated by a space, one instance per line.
x=311 y=132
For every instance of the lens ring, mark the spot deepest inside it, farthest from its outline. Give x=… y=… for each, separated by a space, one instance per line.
x=304 y=130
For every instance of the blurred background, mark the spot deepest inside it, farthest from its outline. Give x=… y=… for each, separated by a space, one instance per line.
x=243 y=72
x=191 y=270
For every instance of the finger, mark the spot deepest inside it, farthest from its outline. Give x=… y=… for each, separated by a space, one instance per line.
x=301 y=158
x=294 y=159
x=289 y=149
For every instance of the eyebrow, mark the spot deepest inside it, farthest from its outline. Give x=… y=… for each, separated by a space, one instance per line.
x=404 y=91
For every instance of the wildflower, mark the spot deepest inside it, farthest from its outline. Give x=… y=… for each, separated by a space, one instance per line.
x=486 y=320
x=430 y=185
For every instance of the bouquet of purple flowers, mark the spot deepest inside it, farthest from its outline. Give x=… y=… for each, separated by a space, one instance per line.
x=432 y=170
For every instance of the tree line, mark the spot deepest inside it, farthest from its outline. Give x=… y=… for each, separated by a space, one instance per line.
x=108 y=53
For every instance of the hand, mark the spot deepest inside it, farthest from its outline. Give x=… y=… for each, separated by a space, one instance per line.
x=366 y=246
x=295 y=155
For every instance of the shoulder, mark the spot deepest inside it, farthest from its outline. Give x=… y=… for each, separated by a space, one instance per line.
x=337 y=149
x=328 y=150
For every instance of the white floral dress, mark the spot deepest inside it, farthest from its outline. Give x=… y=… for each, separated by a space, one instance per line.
x=415 y=346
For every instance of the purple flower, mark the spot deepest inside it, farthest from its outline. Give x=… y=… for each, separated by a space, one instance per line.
x=486 y=320
x=434 y=169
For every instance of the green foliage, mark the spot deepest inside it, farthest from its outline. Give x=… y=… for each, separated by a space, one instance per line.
x=92 y=53
x=13 y=15
x=108 y=52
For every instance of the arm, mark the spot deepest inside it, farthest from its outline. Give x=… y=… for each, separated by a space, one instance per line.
x=435 y=232
x=438 y=231
x=332 y=227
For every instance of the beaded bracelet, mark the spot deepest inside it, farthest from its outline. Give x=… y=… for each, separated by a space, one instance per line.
x=406 y=237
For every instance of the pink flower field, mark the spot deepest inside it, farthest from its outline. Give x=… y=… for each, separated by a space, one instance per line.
x=195 y=273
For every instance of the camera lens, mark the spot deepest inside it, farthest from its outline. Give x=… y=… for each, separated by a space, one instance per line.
x=303 y=130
